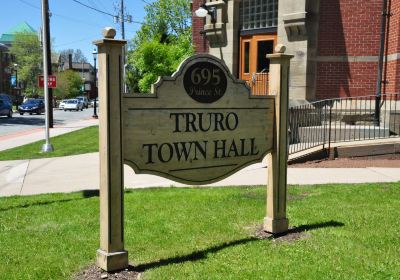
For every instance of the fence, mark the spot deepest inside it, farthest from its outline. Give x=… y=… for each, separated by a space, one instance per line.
x=343 y=120
x=259 y=83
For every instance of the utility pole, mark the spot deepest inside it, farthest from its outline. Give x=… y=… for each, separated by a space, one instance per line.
x=47 y=147
x=122 y=21
x=48 y=51
x=121 y=18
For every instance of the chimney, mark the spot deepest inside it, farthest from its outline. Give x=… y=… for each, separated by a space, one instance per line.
x=70 y=61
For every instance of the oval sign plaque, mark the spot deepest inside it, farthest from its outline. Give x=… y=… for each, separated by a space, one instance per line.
x=205 y=82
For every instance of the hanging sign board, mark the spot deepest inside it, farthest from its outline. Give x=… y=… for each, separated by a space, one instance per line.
x=198 y=126
x=51 y=81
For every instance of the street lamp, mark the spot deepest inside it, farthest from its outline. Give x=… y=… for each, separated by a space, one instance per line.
x=204 y=10
x=95 y=87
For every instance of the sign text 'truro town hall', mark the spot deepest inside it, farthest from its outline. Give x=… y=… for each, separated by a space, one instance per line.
x=199 y=126
x=196 y=127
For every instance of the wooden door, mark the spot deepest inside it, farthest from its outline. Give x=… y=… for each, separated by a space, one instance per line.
x=254 y=65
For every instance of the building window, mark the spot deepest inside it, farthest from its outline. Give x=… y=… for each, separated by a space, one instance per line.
x=264 y=48
x=246 y=57
x=258 y=14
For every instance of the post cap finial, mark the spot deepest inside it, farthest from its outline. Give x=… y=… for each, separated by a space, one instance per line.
x=109 y=33
x=280 y=48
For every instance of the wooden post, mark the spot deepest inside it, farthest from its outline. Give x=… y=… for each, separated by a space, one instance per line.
x=111 y=255
x=276 y=220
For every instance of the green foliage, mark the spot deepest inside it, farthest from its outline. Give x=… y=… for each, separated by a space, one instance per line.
x=153 y=59
x=68 y=84
x=165 y=18
x=28 y=55
x=161 y=44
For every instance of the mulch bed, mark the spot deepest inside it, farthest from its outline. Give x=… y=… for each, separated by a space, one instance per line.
x=94 y=273
x=291 y=236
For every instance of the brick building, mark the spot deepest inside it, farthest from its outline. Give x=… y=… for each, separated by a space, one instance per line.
x=4 y=69
x=335 y=43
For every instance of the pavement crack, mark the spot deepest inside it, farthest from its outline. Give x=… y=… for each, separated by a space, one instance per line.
x=23 y=180
x=374 y=169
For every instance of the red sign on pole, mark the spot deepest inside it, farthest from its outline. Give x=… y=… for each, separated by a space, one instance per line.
x=51 y=81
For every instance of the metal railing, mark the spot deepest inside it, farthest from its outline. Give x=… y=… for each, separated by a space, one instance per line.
x=259 y=83
x=342 y=120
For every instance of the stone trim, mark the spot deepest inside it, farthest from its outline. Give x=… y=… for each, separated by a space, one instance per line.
x=391 y=57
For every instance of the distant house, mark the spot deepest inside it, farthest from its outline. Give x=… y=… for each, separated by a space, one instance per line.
x=86 y=72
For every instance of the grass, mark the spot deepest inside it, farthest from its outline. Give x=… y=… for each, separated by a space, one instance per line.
x=82 y=141
x=203 y=233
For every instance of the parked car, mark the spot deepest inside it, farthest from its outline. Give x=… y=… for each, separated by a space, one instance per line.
x=92 y=103
x=6 y=97
x=73 y=104
x=62 y=104
x=84 y=101
x=32 y=106
x=5 y=108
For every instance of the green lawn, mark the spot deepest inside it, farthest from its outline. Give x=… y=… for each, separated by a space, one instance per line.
x=351 y=232
x=82 y=141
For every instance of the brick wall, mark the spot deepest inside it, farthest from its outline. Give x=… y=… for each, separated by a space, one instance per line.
x=199 y=42
x=337 y=79
x=393 y=48
x=348 y=28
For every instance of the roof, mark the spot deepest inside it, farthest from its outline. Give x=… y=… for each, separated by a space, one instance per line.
x=23 y=27
x=78 y=66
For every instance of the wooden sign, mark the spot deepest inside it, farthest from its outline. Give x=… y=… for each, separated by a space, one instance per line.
x=198 y=126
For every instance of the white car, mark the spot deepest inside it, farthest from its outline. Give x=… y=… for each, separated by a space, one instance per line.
x=73 y=104
x=92 y=103
x=62 y=104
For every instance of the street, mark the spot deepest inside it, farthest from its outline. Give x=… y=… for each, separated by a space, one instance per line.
x=28 y=122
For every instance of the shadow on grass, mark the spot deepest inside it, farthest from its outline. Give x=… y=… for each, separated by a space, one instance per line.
x=90 y=193
x=85 y=194
x=304 y=228
x=202 y=254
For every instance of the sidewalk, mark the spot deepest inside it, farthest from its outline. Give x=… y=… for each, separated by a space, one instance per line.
x=29 y=136
x=81 y=172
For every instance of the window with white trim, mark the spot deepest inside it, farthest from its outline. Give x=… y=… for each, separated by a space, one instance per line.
x=258 y=14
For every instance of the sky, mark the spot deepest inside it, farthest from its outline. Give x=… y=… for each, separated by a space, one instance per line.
x=72 y=25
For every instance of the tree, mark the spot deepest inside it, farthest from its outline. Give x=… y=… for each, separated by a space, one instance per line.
x=77 y=56
x=163 y=41
x=64 y=55
x=68 y=84
x=28 y=55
